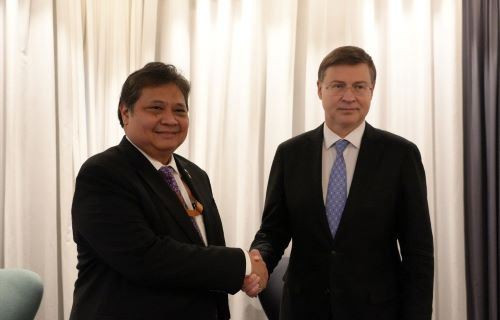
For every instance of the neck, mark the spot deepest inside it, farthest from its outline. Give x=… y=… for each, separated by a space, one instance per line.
x=165 y=159
x=339 y=130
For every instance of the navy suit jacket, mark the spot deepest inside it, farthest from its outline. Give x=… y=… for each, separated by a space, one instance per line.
x=139 y=255
x=359 y=274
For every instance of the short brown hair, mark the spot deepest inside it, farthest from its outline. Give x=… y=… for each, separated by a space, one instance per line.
x=152 y=74
x=349 y=55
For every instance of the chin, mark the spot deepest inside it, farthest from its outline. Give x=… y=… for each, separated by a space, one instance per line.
x=169 y=145
x=163 y=147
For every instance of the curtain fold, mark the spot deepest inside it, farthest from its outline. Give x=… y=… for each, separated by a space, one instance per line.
x=253 y=68
x=481 y=37
x=30 y=172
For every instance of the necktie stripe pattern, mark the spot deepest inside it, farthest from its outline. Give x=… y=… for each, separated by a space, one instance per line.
x=336 y=195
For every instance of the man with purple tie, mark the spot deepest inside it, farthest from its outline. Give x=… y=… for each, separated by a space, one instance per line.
x=149 y=237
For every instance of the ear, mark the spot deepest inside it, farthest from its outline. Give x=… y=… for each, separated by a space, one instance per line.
x=320 y=92
x=373 y=89
x=125 y=114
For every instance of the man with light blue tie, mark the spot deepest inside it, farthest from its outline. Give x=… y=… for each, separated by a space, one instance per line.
x=353 y=200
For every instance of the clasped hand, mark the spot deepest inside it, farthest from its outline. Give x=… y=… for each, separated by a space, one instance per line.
x=257 y=280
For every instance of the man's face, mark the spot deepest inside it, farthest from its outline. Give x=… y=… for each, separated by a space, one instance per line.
x=159 y=121
x=346 y=93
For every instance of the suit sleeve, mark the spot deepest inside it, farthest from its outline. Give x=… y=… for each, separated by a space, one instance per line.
x=415 y=239
x=109 y=225
x=274 y=234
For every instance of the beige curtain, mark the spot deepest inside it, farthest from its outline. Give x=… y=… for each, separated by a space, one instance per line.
x=252 y=64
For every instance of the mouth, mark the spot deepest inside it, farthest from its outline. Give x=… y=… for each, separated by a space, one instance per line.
x=347 y=109
x=166 y=133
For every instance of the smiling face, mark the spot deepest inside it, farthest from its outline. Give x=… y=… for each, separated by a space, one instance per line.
x=158 y=123
x=346 y=92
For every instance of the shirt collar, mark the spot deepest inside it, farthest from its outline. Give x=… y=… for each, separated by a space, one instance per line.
x=157 y=164
x=354 y=137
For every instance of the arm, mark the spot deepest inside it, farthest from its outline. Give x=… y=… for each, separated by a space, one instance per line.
x=415 y=239
x=112 y=227
x=274 y=234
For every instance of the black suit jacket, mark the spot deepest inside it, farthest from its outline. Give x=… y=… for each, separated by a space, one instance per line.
x=359 y=274
x=139 y=255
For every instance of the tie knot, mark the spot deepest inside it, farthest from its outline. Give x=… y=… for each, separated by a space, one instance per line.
x=167 y=173
x=340 y=145
x=167 y=170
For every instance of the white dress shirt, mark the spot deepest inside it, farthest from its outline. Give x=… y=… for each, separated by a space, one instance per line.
x=350 y=154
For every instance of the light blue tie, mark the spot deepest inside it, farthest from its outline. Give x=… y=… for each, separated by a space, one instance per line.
x=336 y=194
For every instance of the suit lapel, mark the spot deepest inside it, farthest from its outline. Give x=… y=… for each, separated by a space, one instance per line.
x=152 y=178
x=195 y=186
x=367 y=163
x=315 y=191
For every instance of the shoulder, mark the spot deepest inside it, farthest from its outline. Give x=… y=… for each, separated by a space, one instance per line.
x=390 y=141
x=120 y=160
x=187 y=164
x=193 y=172
x=108 y=158
x=189 y=167
x=303 y=141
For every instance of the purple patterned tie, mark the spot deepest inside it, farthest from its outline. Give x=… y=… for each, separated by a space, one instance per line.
x=168 y=176
x=337 y=188
x=167 y=172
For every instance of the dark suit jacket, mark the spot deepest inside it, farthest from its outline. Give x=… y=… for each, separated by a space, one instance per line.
x=139 y=255
x=359 y=274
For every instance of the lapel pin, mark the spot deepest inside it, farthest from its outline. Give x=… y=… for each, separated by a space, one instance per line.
x=187 y=172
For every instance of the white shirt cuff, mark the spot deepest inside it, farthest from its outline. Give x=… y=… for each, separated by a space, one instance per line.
x=248 y=265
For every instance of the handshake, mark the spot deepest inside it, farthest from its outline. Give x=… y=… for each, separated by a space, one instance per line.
x=257 y=280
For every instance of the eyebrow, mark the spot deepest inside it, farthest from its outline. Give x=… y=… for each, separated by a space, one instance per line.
x=156 y=101
x=355 y=82
x=163 y=103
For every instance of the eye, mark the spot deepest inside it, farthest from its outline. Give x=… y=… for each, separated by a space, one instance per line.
x=155 y=108
x=336 y=86
x=180 y=109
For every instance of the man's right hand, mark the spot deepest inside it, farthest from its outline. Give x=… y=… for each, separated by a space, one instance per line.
x=257 y=280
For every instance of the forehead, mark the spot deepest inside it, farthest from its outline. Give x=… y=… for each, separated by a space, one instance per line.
x=348 y=73
x=168 y=92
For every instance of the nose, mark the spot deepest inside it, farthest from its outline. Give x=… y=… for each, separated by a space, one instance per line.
x=349 y=95
x=168 y=117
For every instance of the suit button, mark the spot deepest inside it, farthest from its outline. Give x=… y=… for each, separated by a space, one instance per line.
x=334 y=252
x=327 y=292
